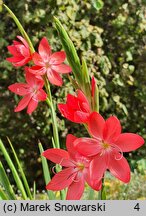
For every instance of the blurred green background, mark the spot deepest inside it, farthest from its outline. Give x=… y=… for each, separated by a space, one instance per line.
x=111 y=35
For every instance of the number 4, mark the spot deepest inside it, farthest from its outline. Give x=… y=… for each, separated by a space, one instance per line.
x=137 y=206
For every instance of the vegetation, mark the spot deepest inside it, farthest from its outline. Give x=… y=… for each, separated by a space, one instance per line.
x=111 y=37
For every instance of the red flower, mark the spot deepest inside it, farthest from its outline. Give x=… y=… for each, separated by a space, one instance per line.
x=107 y=147
x=48 y=63
x=76 y=109
x=20 y=51
x=32 y=92
x=75 y=173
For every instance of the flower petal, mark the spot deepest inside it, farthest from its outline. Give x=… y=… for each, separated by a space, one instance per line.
x=44 y=49
x=82 y=98
x=23 y=103
x=76 y=189
x=54 y=77
x=70 y=145
x=41 y=95
x=23 y=41
x=32 y=105
x=37 y=59
x=19 y=88
x=58 y=156
x=69 y=142
x=22 y=62
x=96 y=125
x=97 y=167
x=15 y=59
x=87 y=146
x=119 y=167
x=81 y=117
x=62 y=68
x=112 y=129
x=129 y=142
x=62 y=179
x=57 y=57
x=37 y=70
x=30 y=78
x=73 y=102
x=66 y=111
x=12 y=49
x=95 y=184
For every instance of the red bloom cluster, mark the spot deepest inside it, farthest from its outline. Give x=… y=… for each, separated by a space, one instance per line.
x=88 y=159
x=45 y=63
x=20 y=51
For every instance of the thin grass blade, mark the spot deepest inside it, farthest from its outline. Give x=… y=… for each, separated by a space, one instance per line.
x=14 y=171
x=21 y=171
x=6 y=184
x=46 y=172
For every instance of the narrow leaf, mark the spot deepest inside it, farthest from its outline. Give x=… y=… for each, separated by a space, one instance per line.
x=91 y=194
x=14 y=171
x=34 y=190
x=21 y=171
x=3 y=195
x=6 y=184
x=70 y=50
x=46 y=172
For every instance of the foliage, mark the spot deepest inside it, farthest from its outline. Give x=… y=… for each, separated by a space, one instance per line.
x=111 y=37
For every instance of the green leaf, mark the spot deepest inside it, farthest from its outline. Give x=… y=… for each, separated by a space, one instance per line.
x=3 y=195
x=91 y=194
x=6 y=184
x=34 y=190
x=1 y=3
x=103 y=193
x=46 y=172
x=98 y=4
x=21 y=171
x=14 y=171
x=70 y=50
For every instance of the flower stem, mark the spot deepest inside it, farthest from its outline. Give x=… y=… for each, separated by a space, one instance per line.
x=49 y=101
x=103 y=191
x=54 y=124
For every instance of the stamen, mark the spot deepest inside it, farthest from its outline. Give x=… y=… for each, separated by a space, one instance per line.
x=61 y=161
x=73 y=179
x=119 y=150
x=53 y=170
x=102 y=152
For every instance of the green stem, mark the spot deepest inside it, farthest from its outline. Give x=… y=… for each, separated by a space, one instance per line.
x=20 y=27
x=54 y=123
x=103 y=191
x=49 y=101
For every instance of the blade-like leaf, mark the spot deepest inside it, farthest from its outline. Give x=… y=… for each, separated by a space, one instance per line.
x=34 y=190
x=21 y=171
x=70 y=50
x=6 y=184
x=3 y=195
x=14 y=171
x=91 y=194
x=46 y=172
